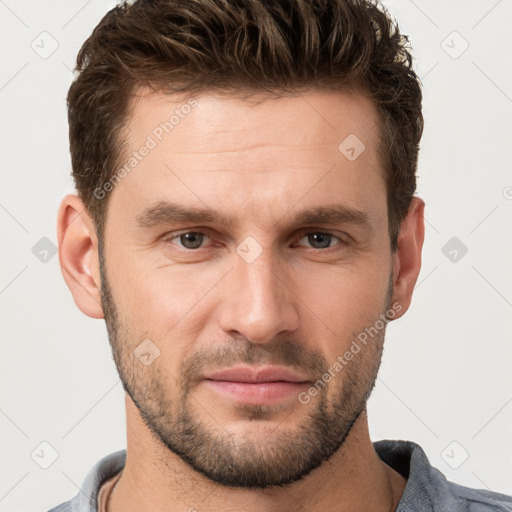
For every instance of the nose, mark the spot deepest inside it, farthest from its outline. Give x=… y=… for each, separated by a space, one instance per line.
x=259 y=300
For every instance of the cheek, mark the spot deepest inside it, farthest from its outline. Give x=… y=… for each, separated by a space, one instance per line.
x=168 y=305
x=345 y=300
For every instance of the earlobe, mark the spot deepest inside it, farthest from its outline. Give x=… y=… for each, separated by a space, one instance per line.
x=78 y=255
x=407 y=259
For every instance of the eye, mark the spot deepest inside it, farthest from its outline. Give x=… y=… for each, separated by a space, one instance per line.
x=321 y=240
x=189 y=240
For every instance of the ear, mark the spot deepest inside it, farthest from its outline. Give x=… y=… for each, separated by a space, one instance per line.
x=407 y=258
x=78 y=255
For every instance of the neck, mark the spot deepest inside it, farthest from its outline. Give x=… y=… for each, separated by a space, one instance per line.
x=353 y=479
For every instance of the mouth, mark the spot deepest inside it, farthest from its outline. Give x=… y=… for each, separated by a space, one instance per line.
x=263 y=385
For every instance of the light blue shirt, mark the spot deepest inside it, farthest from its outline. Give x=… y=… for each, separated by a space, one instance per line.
x=427 y=489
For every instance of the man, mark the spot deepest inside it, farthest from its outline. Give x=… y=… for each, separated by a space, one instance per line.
x=247 y=226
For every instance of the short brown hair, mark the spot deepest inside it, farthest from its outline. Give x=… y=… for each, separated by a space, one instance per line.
x=237 y=46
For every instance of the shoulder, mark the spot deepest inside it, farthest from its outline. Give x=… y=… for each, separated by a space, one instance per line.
x=64 y=507
x=428 y=490
x=479 y=500
x=87 y=498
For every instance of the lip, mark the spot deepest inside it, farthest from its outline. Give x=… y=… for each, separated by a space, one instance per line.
x=263 y=385
x=250 y=374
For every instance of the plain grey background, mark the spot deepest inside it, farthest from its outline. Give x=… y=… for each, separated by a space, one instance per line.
x=445 y=381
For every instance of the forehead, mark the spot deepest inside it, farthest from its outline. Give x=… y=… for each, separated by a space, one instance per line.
x=228 y=121
x=255 y=154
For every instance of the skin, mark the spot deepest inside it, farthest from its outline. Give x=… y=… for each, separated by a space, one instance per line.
x=297 y=304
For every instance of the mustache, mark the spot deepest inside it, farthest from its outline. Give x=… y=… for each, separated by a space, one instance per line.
x=233 y=352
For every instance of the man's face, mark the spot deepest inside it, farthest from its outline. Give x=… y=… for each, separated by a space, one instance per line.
x=298 y=274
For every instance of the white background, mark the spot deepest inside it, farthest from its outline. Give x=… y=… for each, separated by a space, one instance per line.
x=446 y=373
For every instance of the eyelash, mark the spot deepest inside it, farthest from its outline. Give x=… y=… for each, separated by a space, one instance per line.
x=299 y=236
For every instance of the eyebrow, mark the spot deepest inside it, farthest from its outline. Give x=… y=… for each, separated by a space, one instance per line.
x=171 y=213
